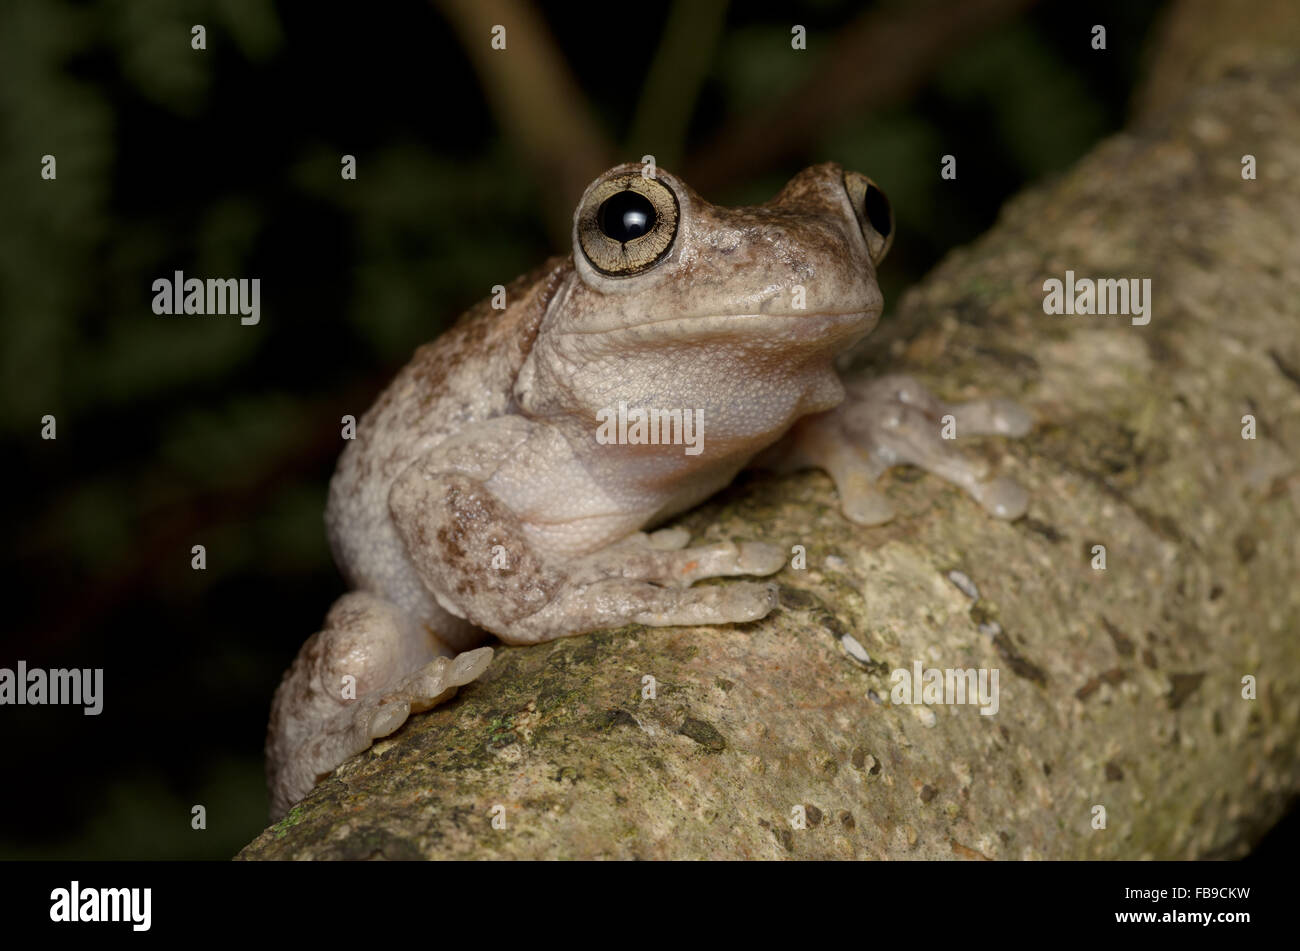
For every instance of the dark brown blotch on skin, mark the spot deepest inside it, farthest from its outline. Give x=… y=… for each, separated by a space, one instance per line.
x=451 y=542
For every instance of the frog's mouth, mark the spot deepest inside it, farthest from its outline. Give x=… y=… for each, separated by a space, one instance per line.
x=799 y=323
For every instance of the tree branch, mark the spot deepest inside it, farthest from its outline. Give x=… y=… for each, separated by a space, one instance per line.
x=878 y=60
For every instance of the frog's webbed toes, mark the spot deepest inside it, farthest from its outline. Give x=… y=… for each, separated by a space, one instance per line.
x=723 y=560
x=644 y=560
x=669 y=539
x=860 y=500
x=380 y=713
x=1002 y=497
x=759 y=558
x=893 y=421
x=467 y=666
x=379 y=721
x=614 y=602
x=995 y=417
x=714 y=604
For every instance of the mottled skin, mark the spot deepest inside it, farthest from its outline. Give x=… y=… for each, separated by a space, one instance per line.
x=477 y=498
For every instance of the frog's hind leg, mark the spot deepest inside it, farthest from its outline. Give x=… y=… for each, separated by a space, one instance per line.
x=894 y=420
x=354 y=681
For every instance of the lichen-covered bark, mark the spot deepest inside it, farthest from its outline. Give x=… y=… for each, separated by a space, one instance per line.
x=1120 y=688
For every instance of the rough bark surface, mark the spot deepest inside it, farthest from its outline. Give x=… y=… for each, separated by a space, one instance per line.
x=1120 y=688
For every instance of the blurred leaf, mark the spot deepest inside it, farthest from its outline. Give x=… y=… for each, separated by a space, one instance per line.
x=152 y=38
x=1042 y=114
x=433 y=235
x=221 y=446
x=253 y=25
x=49 y=228
x=900 y=152
x=756 y=64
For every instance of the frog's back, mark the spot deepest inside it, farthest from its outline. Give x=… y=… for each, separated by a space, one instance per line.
x=464 y=376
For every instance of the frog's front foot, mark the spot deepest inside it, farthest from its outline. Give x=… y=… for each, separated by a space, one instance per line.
x=894 y=420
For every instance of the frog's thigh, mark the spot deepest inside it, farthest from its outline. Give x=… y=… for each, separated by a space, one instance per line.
x=355 y=680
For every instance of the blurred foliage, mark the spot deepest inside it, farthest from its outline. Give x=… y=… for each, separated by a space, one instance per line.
x=181 y=431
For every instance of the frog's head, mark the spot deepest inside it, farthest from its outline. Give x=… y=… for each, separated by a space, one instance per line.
x=738 y=313
x=654 y=259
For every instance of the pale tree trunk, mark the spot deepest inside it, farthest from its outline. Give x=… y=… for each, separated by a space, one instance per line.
x=1120 y=688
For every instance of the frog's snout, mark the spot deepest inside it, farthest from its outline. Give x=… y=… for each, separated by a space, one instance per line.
x=874 y=214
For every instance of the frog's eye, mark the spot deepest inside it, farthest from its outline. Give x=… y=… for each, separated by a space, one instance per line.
x=627 y=224
x=875 y=217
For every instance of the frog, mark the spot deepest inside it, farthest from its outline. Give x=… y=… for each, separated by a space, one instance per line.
x=476 y=500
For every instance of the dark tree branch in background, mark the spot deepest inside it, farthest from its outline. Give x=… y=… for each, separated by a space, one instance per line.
x=1199 y=40
x=672 y=85
x=876 y=61
x=536 y=100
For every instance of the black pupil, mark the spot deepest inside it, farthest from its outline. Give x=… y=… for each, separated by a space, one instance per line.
x=876 y=206
x=626 y=215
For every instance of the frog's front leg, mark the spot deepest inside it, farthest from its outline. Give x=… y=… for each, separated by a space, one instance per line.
x=894 y=420
x=510 y=532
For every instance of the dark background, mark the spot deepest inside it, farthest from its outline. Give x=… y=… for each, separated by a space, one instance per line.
x=225 y=163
